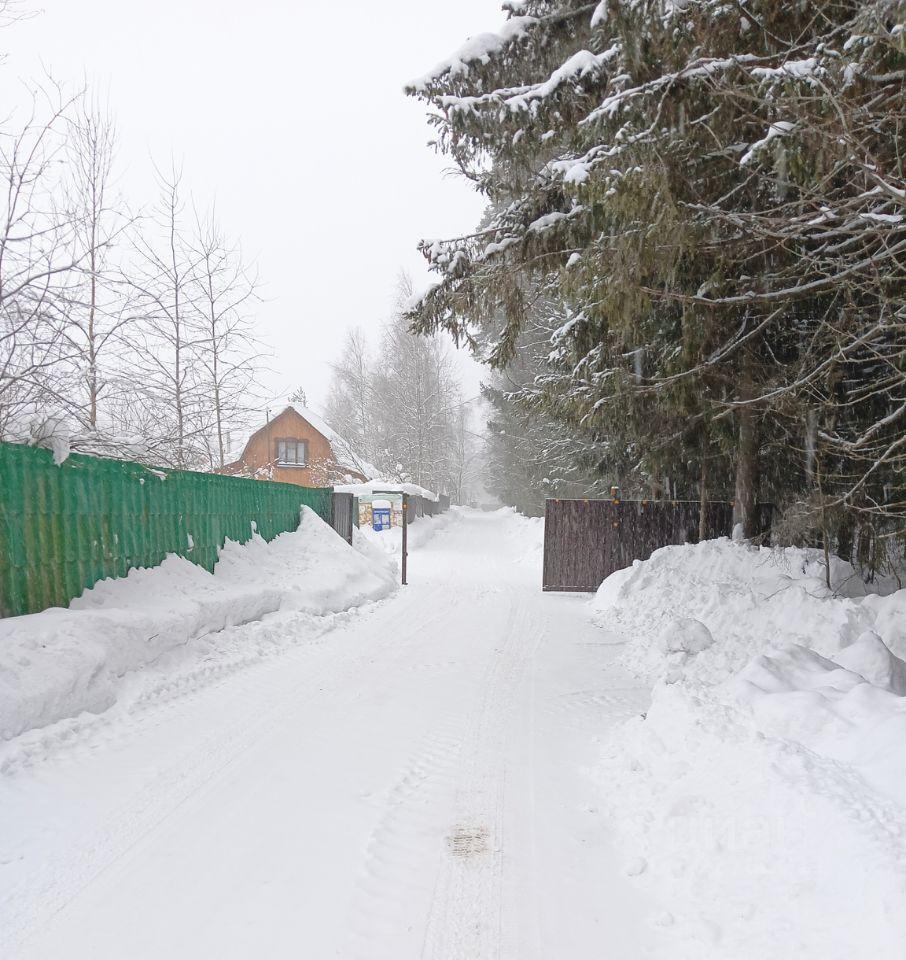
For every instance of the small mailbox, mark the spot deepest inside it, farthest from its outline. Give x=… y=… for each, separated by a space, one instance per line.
x=381 y=516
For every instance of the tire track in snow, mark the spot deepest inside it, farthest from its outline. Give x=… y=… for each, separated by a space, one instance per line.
x=466 y=916
x=392 y=889
x=593 y=709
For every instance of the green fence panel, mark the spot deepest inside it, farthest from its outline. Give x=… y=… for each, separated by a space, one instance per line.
x=63 y=528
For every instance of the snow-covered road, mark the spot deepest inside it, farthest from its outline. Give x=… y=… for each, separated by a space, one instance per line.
x=409 y=784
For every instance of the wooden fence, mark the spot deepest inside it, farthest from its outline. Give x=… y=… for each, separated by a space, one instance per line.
x=344 y=514
x=422 y=507
x=587 y=540
x=416 y=506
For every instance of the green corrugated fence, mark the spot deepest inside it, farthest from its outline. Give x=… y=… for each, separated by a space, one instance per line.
x=63 y=528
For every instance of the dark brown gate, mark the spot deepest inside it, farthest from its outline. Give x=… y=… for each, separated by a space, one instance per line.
x=587 y=540
x=344 y=514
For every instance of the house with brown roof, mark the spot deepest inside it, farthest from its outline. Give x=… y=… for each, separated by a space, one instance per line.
x=296 y=446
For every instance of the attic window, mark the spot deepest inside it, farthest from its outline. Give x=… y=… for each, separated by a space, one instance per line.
x=292 y=452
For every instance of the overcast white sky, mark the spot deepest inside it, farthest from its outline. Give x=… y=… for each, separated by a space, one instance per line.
x=290 y=114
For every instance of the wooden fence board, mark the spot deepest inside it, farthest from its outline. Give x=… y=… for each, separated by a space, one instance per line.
x=344 y=514
x=587 y=540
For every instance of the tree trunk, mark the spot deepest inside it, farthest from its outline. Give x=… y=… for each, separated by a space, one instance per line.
x=746 y=495
x=845 y=538
x=703 y=491
x=92 y=338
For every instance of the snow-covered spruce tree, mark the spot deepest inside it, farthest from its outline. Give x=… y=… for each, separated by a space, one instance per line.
x=528 y=455
x=848 y=395
x=534 y=449
x=655 y=166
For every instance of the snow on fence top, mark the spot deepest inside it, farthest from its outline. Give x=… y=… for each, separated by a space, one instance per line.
x=386 y=486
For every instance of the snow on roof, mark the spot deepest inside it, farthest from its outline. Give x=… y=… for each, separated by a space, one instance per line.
x=342 y=451
x=234 y=451
x=386 y=486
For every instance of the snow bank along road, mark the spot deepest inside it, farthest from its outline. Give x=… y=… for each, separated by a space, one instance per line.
x=409 y=784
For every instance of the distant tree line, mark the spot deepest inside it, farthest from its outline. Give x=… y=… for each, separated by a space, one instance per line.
x=122 y=331
x=399 y=404
x=691 y=275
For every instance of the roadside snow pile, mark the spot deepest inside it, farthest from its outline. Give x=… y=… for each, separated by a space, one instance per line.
x=852 y=710
x=61 y=662
x=763 y=796
x=760 y=846
x=750 y=599
x=530 y=533
x=312 y=569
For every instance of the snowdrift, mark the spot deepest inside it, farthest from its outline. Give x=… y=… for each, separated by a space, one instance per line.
x=750 y=599
x=312 y=569
x=763 y=796
x=61 y=662
x=530 y=534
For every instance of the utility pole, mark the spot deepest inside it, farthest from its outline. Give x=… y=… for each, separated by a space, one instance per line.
x=405 y=534
x=270 y=450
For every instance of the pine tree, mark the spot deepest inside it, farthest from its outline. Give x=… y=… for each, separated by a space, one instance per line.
x=714 y=193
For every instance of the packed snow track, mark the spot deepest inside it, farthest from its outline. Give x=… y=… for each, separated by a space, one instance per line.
x=409 y=784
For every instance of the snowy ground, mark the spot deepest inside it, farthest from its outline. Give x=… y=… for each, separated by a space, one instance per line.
x=412 y=779
x=763 y=796
x=708 y=762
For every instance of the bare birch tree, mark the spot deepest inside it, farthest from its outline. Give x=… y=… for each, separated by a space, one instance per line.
x=350 y=402
x=96 y=315
x=38 y=258
x=226 y=349
x=416 y=397
x=402 y=403
x=163 y=278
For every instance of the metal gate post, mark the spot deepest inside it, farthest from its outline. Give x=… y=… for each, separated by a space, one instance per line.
x=405 y=533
